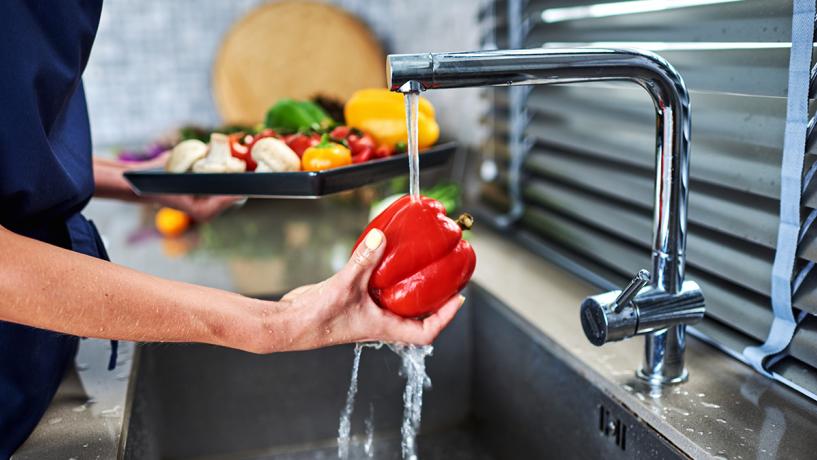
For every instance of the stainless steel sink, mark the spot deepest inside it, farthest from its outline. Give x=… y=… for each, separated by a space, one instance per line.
x=500 y=390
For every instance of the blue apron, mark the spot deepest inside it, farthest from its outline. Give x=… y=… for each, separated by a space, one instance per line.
x=46 y=178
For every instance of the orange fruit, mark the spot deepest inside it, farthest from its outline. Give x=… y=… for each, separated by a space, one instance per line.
x=171 y=222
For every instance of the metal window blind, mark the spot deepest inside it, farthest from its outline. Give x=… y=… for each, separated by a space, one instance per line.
x=589 y=154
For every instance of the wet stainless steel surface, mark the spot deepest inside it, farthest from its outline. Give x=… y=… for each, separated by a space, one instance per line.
x=725 y=409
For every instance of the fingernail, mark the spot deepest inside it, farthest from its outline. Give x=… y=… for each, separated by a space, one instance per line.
x=373 y=239
x=462 y=299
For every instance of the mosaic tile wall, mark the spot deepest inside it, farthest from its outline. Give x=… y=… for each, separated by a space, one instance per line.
x=150 y=67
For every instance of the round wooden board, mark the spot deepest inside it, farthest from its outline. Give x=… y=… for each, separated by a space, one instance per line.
x=294 y=49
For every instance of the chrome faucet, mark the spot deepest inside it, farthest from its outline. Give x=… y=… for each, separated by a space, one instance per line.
x=662 y=310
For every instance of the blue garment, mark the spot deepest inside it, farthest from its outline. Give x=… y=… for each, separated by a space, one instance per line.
x=46 y=178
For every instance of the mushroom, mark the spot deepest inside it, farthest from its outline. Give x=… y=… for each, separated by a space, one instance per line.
x=185 y=154
x=219 y=159
x=273 y=155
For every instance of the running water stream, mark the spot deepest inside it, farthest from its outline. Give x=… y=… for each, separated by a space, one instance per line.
x=414 y=370
x=412 y=106
x=345 y=425
x=413 y=357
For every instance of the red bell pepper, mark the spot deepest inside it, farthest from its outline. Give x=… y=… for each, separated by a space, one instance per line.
x=240 y=147
x=426 y=260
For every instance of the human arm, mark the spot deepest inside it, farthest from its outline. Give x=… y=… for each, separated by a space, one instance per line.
x=52 y=288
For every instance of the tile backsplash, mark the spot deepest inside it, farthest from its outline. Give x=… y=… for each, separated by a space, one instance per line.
x=150 y=69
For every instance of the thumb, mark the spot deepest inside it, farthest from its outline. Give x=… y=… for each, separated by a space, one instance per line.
x=365 y=258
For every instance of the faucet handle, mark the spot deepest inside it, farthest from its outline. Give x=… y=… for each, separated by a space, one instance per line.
x=612 y=315
x=631 y=290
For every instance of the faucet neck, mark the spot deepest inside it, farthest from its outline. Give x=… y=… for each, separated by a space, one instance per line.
x=550 y=66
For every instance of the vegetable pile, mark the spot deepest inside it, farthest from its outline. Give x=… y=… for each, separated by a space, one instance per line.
x=301 y=136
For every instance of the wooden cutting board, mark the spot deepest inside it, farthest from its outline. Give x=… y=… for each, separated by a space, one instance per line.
x=294 y=49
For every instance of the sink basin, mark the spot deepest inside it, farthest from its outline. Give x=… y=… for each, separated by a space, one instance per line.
x=500 y=389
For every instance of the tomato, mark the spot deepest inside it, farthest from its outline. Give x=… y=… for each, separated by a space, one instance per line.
x=300 y=142
x=340 y=133
x=383 y=151
x=363 y=156
x=359 y=142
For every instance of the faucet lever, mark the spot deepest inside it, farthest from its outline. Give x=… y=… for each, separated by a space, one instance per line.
x=642 y=278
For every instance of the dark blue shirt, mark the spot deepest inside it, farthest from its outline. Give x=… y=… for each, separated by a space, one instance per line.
x=46 y=178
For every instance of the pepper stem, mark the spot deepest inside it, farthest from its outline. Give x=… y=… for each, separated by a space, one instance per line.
x=465 y=221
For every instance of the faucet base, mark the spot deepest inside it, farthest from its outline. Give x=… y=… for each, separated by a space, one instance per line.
x=664 y=356
x=662 y=380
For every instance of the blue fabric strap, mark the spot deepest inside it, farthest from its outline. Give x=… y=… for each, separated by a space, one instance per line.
x=785 y=323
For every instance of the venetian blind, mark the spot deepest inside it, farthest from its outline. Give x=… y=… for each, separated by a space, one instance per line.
x=588 y=154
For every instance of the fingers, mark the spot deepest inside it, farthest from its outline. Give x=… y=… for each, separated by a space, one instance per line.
x=424 y=332
x=157 y=162
x=364 y=259
x=205 y=209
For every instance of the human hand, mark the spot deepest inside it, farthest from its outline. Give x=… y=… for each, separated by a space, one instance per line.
x=340 y=309
x=199 y=208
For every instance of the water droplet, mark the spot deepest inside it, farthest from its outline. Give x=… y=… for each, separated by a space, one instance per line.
x=701 y=395
x=690 y=430
x=112 y=412
x=627 y=388
x=54 y=420
x=640 y=396
x=82 y=366
x=720 y=420
x=81 y=408
x=710 y=405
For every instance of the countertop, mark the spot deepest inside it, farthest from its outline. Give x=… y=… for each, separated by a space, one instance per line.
x=726 y=410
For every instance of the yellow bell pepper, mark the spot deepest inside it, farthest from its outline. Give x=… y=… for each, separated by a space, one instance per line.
x=325 y=155
x=382 y=113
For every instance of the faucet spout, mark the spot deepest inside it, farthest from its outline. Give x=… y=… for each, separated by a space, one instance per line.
x=665 y=340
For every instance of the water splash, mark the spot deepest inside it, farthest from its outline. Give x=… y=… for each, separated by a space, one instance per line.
x=412 y=107
x=414 y=370
x=368 y=446
x=710 y=405
x=345 y=425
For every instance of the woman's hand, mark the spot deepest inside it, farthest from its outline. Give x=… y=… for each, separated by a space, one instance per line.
x=340 y=310
x=199 y=208
x=111 y=183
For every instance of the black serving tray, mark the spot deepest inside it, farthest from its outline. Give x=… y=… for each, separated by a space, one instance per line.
x=302 y=184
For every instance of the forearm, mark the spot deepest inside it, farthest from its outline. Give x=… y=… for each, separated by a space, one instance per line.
x=109 y=181
x=51 y=288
